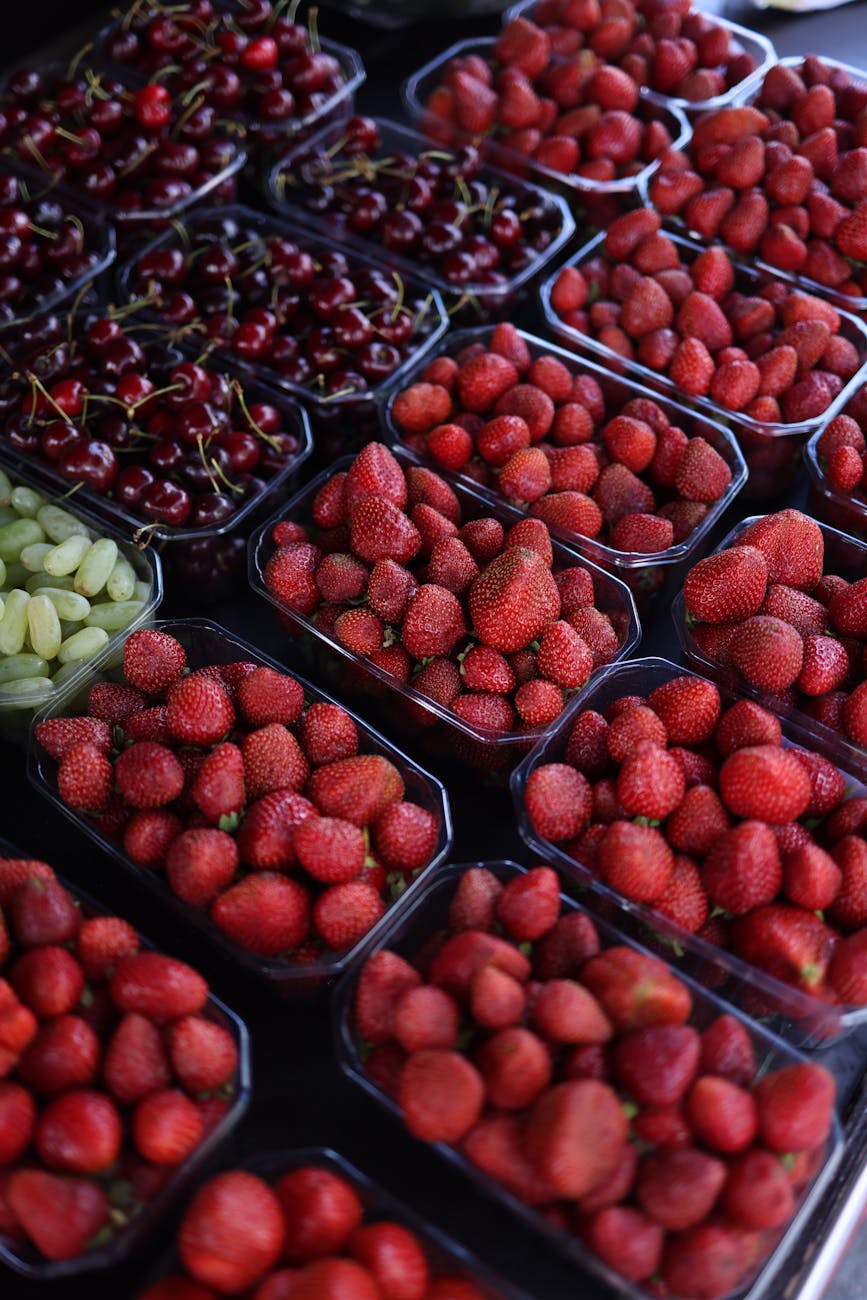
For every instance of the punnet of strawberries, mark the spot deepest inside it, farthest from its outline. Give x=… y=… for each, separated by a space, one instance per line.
x=578 y=117
x=116 y=1068
x=267 y=809
x=672 y=49
x=568 y=443
x=621 y=1108
x=310 y=1226
x=771 y=612
x=783 y=176
x=747 y=343
x=473 y=612
x=702 y=811
x=838 y=454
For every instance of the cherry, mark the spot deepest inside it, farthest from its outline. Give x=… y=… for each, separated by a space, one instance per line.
x=401 y=231
x=191 y=382
x=377 y=360
x=166 y=503
x=91 y=462
x=352 y=329
x=56 y=438
x=241 y=448
x=251 y=341
x=166 y=455
x=152 y=105
x=260 y=54
x=68 y=395
x=131 y=483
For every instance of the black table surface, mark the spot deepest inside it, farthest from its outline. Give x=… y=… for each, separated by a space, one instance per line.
x=300 y=1096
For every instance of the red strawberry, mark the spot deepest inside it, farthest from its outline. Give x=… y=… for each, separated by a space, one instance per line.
x=114 y=702
x=148 y=775
x=513 y=600
x=434 y=622
x=382 y=980
x=575 y=1134
x=60 y=1215
x=290 y=576
x=405 y=837
x=265 y=835
x=529 y=904
x=320 y=1211
x=48 y=980
x=627 y=1240
x=101 y=943
x=795 y=1106
x=635 y=860
x=707 y=1261
x=166 y=1127
x=159 y=987
x=473 y=904
x=457 y=962
x=728 y=586
x=41 y=912
x=565 y=1012
x=394 y=1257
x=850 y=905
x=266 y=696
x=135 y=1062
x=678 y=1186
x=758 y=1193
x=200 y=864
x=341 y=577
x=723 y=1116
x=792 y=545
x=357 y=789
x=79 y=1132
x=650 y=782
x=441 y=1095
x=558 y=801
x=765 y=782
x=199 y=711
x=497 y=1001
x=344 y=913
x=684 y=899
x=328 y=733
x=768 y=652
x=427 y=1017
x=265 y=912
x=270 y=759
x=636 y=989
x=726 y=1050
x=152 y=660
x=85 y=777
x=742 y=869
x=232 y=1233
x=788 y=942
x=373 y=473
x=58 y=735
x=330 y=850
x=848 y=972
x=17 y=1121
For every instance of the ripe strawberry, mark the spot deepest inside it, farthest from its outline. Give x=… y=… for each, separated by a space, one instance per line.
x=199 y=711
x=742 y=869
x=708 y=1260
x=232 y=1233
x=633 y=724
x=795 y=1107
x=689 y=708
x=575 y=1134
x=265 y=912
x=384 y=977
x=692 y=367
x=565 y=1012
x=270 y=759
x=344 y=913
x=758 y=1193
x=114 y=702
x=152 y=660
x=855 y=715
x=60 y=1215
x=17 y=1121
x=101 y=942
x=765 y=782
x=433 y=623
x=290 y=576
x=85 y=777
x=497 y=1001
x=320 y=1212
x=473 y=903
x=726 y=1050
x=156 y=986
x=427 y=1017
x=265 y=835
x=79 y=1132
x=341 y=577
x=513 y=600
x=728 y=586
x=678 y=1186
x=330 y=850
x=767 y=652
x=635 y=860
x=850 y=905
x=848 y=971
x=135 y=1062
x=426 y=487
x=456 y=963
x=627 y=1240
x=650 y=782
x=373 y=473
x=58 y=735
x=723 y=1116
x=394 y=1258
x=200 y=864
x=166 y=1127
x=684 y=900
x=405 y=837
x=379 y=530
x=148 y=775
x=538 y=702
x=792 y=545
x=356 y=789
x=48 y=980
x=657 y=1065
x=528 y=905
x=441 y=1095
x=788 y=942
x=266 y=696
x=41 y=912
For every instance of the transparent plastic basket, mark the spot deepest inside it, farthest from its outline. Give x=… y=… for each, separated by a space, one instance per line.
x=286 y=191
x=644 y=573
x=797 y=1016
x=16 y=709
x=845 y=556
x=26 y=1260
x=651 y=107
x=207 y=643
x=402 y=706
x=408 y=934
x=750 y=42
x=772 y=451
x=444 y=1254
x=841 y=510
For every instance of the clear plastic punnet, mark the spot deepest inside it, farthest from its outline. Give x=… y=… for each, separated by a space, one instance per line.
x=793 y=1013
x=829 y=504
x=207 y=643
x=417 y=927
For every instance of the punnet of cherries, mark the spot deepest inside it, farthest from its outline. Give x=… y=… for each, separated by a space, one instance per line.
x=167 y=442
x=303 y=311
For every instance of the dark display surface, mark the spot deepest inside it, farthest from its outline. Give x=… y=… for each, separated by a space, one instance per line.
x=300 y=1095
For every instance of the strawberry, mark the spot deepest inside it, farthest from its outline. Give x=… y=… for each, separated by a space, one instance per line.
x=232 y=1232
x=200 y=864
x=433 y=623
x=727 y=1051
x=48 y=980
x=767 y=652
x=42 y=912
x=795 y=1107
x=650 y=782
x=848 y=971
x=765 y=782
x=678 y=1186
x=148 y=775
x=473 y=903
x=344 y=913
x=356 y=789
x=58 y=735
x=457 y=962
x=166 y=1127
x=290 y=576
x=341 y=577
x=575 y=1134
x=513 y=600
x=636 y=989
x=698 y=822
x=152 y=660
x=529 y=904
x=627 y=1240
x=405 y=837
x=265 y=912
x=728 y=586
x=268 y=696
x=723 y=1116
x=114 y=702
x=855 y=715
x=425 y=487
x=689 y=708
x=101 y=942
x=85 y=777
x=708 y=1260
x=632 y=724
x=330 y=850
x=657 y=1065
x=320 y=1211
x=425 y=1018
x=497 y=1001
x=17 y=1121
x=265 y=835
x=135 y=1062
x=79 y=1132
x=792 y=545
x=381 y=531
x=441 y=1095
x=692 y=367
x=757 y=1193
x=565 y=1012
x=635 y=860
x=199 y=711
x=203 y=1054
x=60 y=1215
x=850 y=904
x=538 y=702
x=328 y=733
x=742 y=869
x=159 y=987
x=270 y=759
x=788 y=942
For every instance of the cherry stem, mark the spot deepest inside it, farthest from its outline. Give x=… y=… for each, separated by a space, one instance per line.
x=242 y=402
x=313 y=28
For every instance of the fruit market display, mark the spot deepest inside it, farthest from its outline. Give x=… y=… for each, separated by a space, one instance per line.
x=115 y=1068
x=698 y=809
x=591 y=1085
x=764 y=348
x=47 y=250
x=767 y=611
x=453 y=220
x=261 y=808
x=129 y=148
x=314 y=1231
x=112 y=407
x=671 y=49
x=548 y=436
x=308 y=314
x=579 y=118
x=253 y=61
x=470 y=612
x=782 y=176
x=65 y=589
